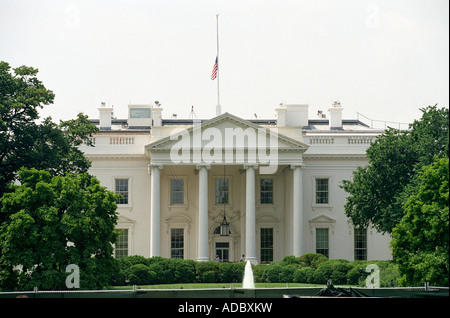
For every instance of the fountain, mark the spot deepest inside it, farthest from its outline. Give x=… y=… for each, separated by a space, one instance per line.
x=248 y=281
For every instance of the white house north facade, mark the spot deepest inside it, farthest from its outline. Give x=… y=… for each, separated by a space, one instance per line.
x=229 y=188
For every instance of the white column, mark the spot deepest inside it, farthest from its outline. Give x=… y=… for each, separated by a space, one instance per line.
x=250 y=219
x=203 y=254
x=155 y=239
x=297 y=211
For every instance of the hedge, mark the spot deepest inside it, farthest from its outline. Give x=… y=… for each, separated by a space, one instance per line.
x=309 y=268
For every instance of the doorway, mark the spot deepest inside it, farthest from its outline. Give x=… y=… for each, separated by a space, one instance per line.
x=223 y=251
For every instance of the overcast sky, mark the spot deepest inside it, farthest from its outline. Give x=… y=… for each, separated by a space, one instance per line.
x=384 y=59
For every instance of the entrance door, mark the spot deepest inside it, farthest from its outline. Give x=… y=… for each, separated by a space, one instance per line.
x=223 y=251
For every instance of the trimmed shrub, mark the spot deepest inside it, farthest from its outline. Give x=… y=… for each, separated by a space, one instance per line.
x=303 y=275
x=287 y=274
x=208 y=277
x=280 y=272
x=258 y=273
x=357 y=275
x=335 y=270
x=291 y=260
x=231 y=272
x=312 y=260
x=141 y=275
x=203 y=272
x=272 y=272
x=185 y=271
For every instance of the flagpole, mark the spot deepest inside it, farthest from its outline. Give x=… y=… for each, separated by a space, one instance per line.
x=218 y=107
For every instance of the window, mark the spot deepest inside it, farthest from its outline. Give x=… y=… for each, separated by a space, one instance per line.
x=322 y=191
x=177 y=243
x=360 y=238
x=223 y=251
x=176 y=191
x=266 y=191
x=140 y=113
x=122 y=189
x=322 y=241
x=266 y=245
x=121 y=249
x=222 y=191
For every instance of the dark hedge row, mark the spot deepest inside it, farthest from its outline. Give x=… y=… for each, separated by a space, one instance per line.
x=137 y=270
x=309 y=268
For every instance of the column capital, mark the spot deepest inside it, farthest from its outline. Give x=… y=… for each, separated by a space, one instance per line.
x=248 y=165
x=154 y=166
x=297 y=165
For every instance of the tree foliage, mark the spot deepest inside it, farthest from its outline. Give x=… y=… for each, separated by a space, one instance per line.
x=26 y=142
x=378 y=191
x=421 y=239
x=51 y=222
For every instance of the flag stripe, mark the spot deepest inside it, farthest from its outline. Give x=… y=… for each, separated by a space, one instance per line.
x=215 y=68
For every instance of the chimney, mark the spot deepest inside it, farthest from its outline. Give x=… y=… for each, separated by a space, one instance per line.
x=335 y=116
x=293 y=115
x=157 y=115
x=105 y=114
x=281 y=115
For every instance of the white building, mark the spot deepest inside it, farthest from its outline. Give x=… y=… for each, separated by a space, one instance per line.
x=275 y=181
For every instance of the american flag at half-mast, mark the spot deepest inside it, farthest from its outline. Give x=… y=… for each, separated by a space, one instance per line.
x=215 y=68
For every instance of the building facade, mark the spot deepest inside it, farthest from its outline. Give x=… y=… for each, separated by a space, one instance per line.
x=231 y=188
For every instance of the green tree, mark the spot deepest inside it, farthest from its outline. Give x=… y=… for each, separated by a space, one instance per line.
x=420 y=241
x=26 y=142
x=378 y=191
x=51 y=222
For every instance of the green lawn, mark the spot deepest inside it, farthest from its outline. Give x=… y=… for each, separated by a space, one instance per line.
x=217 y=285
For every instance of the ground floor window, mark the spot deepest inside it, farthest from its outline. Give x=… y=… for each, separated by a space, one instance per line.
x=322 y=244
x=266 y=245
x=121 y=248
x=360 y=238
x=177 y=243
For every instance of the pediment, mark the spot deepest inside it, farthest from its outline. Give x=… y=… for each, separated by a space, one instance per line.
x=124 y=220
x=322 y=218
x=178 y=218
x=267 y=218
x=227 y=132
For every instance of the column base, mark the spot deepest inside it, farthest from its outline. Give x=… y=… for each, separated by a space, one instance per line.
x=202 y=259
x=252 y=260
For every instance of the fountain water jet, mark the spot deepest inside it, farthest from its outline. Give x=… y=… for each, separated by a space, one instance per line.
x=248 y=281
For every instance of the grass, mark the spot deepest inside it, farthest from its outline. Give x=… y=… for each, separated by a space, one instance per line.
x=217 y=285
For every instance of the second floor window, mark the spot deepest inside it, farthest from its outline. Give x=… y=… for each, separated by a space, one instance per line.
x=122 y=189
x=266 y=194
x=322 y=191
x=176 y=191
x=222 y=191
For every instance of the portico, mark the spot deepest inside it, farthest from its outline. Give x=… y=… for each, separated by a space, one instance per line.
x=249 y=153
